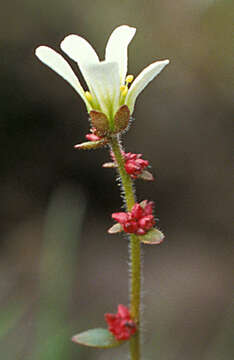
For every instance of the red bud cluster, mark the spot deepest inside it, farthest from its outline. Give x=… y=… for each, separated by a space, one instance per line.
x=134 y=165
x=120 y=324
x=138 y=221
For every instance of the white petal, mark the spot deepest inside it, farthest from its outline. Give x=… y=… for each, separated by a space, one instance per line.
x=117 y=48
x=142 y=80
x=57 y=63
x=79 y=50
x=104 y=84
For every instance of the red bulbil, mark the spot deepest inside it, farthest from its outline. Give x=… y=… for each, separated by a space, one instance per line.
x=147 y=222
x=134 y=165
x=148 y=207
x=137 y=211
x=120 y=217
x=137 y=221
x=92 y=136
x=130 y=227
x=120 y=324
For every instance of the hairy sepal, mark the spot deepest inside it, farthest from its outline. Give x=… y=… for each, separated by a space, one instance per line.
x=100 y=122
x=121 y=119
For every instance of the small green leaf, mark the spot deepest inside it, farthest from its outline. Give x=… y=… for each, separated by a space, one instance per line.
x=146 y=175
x=152 y=237
x=109 y=165
x=116 y=228
x=143 y=203
x=89 y=145
x=98 y=338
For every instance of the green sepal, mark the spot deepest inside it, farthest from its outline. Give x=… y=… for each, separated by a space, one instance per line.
x=152 y=237
x=98 y=338
x=89 y=145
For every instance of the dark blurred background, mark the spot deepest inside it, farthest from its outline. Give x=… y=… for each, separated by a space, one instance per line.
x=59 y=269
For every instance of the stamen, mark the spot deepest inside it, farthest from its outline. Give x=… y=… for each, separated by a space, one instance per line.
x=88 y=96
x=124 y=90
x=129 y=79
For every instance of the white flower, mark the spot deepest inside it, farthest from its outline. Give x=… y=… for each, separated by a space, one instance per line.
x=109 y=87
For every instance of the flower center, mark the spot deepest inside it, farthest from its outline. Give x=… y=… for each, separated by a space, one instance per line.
x=88 y=96
x=123 y=93
x=124 y=88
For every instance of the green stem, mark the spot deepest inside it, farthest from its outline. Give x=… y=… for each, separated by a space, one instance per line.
x=135 y=249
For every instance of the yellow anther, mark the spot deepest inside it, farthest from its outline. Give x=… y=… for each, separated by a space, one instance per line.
x=129 y=79
x=124 y=90
x=88 y=96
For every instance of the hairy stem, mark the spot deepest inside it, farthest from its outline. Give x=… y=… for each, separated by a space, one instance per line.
x=135 y=250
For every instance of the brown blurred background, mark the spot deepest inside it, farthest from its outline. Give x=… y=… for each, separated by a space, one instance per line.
x=59 y=269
